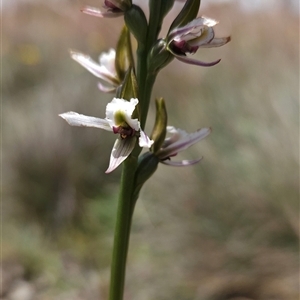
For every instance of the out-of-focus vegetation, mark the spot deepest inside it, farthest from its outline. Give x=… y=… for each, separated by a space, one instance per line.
x=227 y=228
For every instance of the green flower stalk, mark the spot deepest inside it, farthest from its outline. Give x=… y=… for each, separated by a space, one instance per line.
x=131 y=77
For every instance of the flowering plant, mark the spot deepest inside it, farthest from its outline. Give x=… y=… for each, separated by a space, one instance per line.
x=126 y=114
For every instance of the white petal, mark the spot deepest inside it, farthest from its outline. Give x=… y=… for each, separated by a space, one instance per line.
x=185 y=141
x=183 y=163
x=144 y=140
x=95 y=68
x=93 y=11
x=122 y=148
x=124 y=107
x=107 y=59
x=206 y=36
x=195 y=24
x=133 y=123
x=75 y=119
x=217 y=42
x=209 y=22
x=201 y=21
x=106 y=89
x=176 y=134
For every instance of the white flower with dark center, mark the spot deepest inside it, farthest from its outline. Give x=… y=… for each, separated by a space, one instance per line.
x=177 y=142
x=104 y=70
x=118 y=121
x=198 y=33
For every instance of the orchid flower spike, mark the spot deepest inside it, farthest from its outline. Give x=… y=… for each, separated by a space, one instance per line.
x=104 y=70
x=118 y=121
x=177 y=142
x=111 y=9
x=199 y=33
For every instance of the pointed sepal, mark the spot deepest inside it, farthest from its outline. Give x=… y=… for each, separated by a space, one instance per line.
x=180 y=140
x=75 y=119
x=121 y=150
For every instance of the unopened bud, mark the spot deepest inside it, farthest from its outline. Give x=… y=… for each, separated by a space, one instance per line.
x=136 y=22
x=124 y=57
x=159 y=131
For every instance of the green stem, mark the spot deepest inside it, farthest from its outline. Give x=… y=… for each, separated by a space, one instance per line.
x=122 y=229
x=146 y=98
x=141 y=70
x=145 y=80
x=126 y=199
x=145 y=84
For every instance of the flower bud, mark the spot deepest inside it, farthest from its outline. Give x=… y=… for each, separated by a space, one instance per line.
x=124 y=57
x=166 y=6
x=159 y=131
x=137 y=23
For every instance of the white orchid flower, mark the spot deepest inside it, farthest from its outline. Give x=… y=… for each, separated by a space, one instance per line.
x=104 y=70
x=177 y=142
x=119 y=121
x=198 y=33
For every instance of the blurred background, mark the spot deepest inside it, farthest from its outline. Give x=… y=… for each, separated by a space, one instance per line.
x=227 y=228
